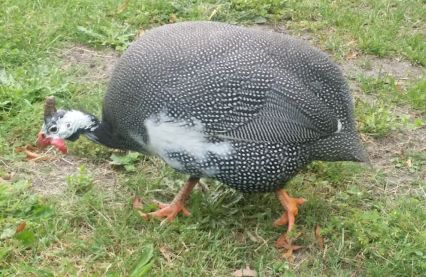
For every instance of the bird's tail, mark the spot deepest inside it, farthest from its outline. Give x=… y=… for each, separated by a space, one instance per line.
x=344 y=146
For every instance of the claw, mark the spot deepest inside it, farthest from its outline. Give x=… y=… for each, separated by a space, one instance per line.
x=284 y=242
x=170 y=211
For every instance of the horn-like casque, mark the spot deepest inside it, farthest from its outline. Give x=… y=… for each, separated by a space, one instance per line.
x=49 y=106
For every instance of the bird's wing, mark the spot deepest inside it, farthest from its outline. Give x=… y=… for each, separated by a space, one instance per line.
x=251 y=103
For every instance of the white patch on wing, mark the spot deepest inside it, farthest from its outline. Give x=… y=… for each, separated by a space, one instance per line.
x=210 y=171
x=173 y=163
x=166 y=135
x=339 y=126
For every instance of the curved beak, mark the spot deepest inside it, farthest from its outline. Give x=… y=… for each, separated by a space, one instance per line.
x=43 y=141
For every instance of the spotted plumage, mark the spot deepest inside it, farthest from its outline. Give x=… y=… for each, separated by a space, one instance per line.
x=248 y=108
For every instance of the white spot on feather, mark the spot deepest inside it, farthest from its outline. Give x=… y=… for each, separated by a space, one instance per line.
x=168 y=135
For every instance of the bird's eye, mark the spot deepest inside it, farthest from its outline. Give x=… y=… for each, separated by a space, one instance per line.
x=53 y=129
x=68 y=125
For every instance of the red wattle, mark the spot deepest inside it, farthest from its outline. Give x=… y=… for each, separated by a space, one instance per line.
x=59 y=144
x=42 y=140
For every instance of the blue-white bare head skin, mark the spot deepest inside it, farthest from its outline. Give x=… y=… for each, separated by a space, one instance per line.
x=61 y=125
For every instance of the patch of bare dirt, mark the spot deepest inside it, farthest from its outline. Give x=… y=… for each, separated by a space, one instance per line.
x=90 y=65
x=391 y=156
x=50 y=177
x=371 y=66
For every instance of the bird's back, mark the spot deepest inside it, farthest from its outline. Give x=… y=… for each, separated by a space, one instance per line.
x=207 y=60
x=239 y=84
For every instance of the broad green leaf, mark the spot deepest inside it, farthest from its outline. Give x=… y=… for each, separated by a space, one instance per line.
x=130 y=167
x=90 y=33
x=42 y=211
x=122 y=160
x=26 y=237
x=127 y=161
x=145 y=263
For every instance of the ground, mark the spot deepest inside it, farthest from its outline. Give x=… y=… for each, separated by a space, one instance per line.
x=81 y=211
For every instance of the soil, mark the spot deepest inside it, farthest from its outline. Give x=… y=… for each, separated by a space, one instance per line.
x=90 y=65
x=371 y=66
x=50 y=177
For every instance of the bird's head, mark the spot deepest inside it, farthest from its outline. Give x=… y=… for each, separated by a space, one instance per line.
x=61 y=125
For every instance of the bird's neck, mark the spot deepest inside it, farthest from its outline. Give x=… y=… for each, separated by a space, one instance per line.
x=97 y=131
x=101 y=132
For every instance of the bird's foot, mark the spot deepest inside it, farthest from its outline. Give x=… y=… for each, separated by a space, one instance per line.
x=291 y=205
x=168 y=211
x=285 y=242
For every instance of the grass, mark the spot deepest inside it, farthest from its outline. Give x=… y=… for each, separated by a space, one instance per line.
x=415 y=95
x=379 y=118
x=78 y=213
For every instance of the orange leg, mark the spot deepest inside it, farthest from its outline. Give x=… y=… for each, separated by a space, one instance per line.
x=171 y=210
x=291 y=205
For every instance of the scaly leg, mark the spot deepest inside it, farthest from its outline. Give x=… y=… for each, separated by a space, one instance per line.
x=171 y=210
x=291 y=205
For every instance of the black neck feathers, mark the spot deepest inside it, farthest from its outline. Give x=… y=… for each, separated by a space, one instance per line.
x=102 y=133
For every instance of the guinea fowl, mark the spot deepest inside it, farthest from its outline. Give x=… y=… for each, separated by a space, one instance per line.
x=245 y=107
